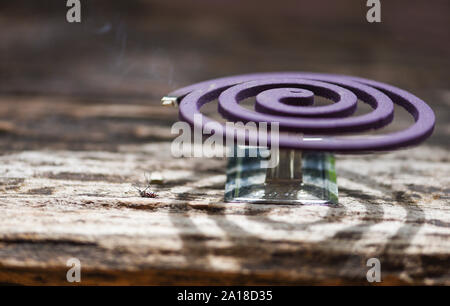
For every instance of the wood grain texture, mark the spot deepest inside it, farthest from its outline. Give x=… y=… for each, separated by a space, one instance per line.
x=80 y=122
x=61 y=204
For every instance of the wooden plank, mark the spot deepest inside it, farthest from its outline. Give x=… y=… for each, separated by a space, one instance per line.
x=62 y=204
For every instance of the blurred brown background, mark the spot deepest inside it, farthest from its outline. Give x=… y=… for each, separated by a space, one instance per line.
x=137 y=51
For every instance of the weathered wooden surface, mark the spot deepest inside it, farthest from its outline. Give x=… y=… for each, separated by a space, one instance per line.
x=79 y=123
x=61 y=204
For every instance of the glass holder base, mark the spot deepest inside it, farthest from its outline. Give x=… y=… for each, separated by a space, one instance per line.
x=299 y=178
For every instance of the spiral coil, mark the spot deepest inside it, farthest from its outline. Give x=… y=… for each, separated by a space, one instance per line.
x=287 y=98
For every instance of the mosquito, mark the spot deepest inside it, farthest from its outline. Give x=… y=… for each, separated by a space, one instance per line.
x=143 y=192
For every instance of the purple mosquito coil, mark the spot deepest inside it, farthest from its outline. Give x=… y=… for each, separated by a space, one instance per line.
x=288 y=97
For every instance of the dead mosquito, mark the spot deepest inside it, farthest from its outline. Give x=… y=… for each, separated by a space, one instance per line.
x=143 y=192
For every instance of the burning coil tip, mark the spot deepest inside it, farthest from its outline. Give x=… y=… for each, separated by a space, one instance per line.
x=169 y=101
